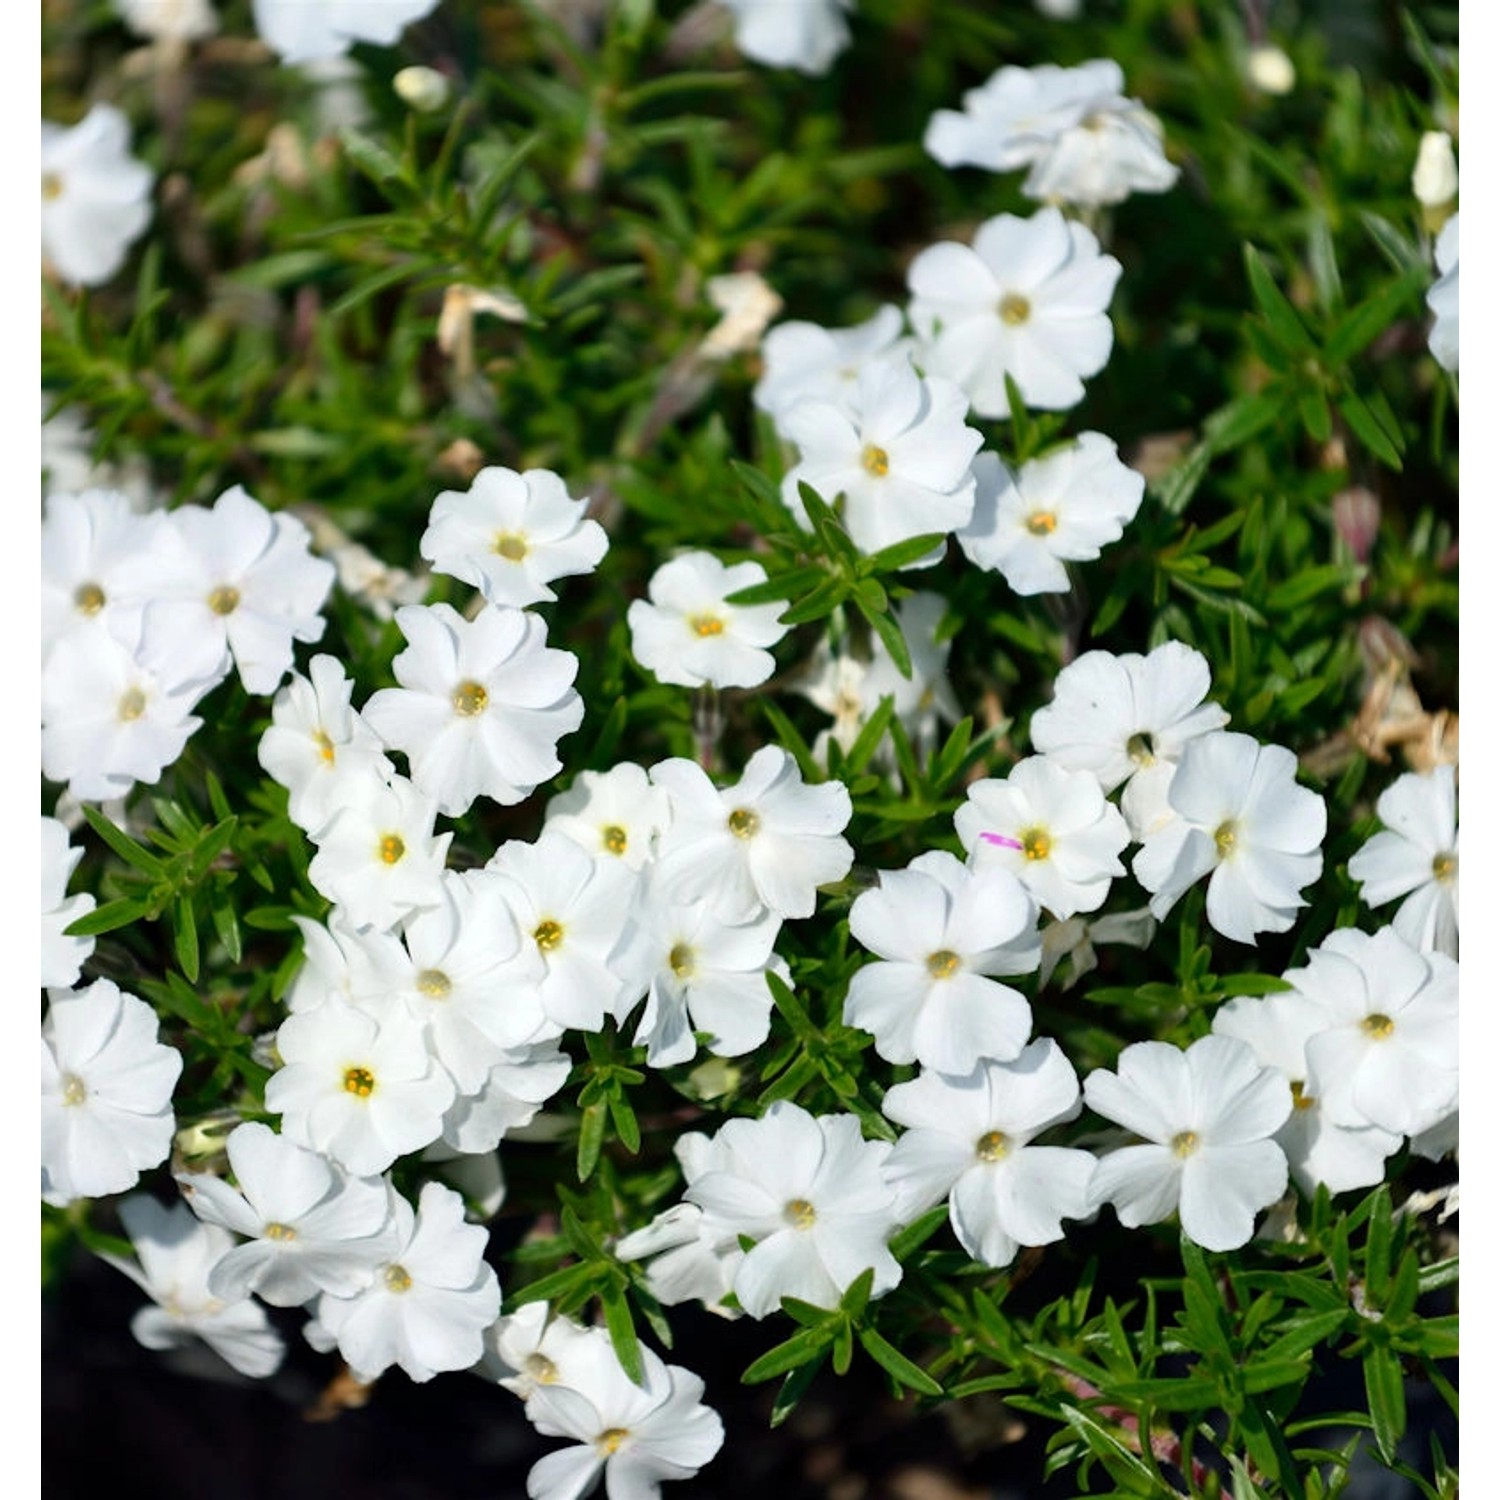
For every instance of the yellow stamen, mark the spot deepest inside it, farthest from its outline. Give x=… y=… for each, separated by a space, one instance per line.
x=610 y=1439
x=1377 y=1027
x=540 y=1368
x=511 y=546
x=1444 y=867
x=434 y=983
x=88 y=599
x=800 y=1214
x=52 y=187
x=283 y=1232
x=548 y=934
x=397 y=1279
x=1036 y=843
x=1225 y=836
x=706 y=625
x=1042 y=522
x=224 y=600
x=74 y=1091
x=614 y=838
x=325 y=747
x=132 y=705
x=1185 y=1142
x=1014 y=309
x=943 y=964
x=681 y=961
x=992 y=1146
x=1141 y=749
x=392 y=849
x=876 y=461
x=359 y=1081
x=1301 y=1100
x=470 y=698
x=744 y=823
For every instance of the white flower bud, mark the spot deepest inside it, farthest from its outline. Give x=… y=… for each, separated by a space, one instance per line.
x=1434 y=179
x=422 y=89
x=1270 y=70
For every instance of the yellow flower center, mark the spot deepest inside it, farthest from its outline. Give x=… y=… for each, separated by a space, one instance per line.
x=540 y=1368
x=397 y=1279
x=434 y=984
x=283 y=1232
x=614 y=838
x=511 y=546
x=224 y=600
x=610 y=1439
x=1185 y=1142
x=992 y=1146
x=359 y=1081
x=470 y=698
x=876 y=461
x=706 y=625
x=744 y=823
x=1014 y=309
x=800 y=1214
x=1377 y=1027
x=548 y=934
x=88 y=599
x=52 y=186
x=681 y=960
x=1036 y=843
x=132 y=705
x=1301 y=1100
x=1042 y=522
x=1141 y=748
x=1444 y=867
x=74 y=1090
x=325 y=746
x=392 y=849
x=1225 y=837
x=943 y=964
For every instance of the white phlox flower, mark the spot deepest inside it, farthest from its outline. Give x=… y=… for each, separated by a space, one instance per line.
x=897 y=449
x=510 y=535
x=534 y=1346
x=377 y=855
x=107 y=1086
x=804 y=361
x=1442 y=298
x=344 y=960
x=941 y=929
x=508 y=1097
x=1116 y=150
x=1386 y=1049
x=635 y=1436
x=1064 y=507
x=63 y=957
x=689 y=635
x=96 y=197
x=615 y=813
x=1277 y=1029
x=117 y=711
x=359 y=1087
x=803 y=34
x=768 y=841
x=309 y=1226
x=969 y=1140
x=244 y=577
x=702 y=974
x=1049 y=827
x=1241 y=815
x=304 y=31
x=810 y=1191
x=1209 y=1115
x=1416 y=855
x=176 y=1253
x=315 y=740
x=1028 y=300
x=572 y=912
x=1074 y=939
x=169 y=20
x=481 y=706
x=429 y=1304
x=1126 y=719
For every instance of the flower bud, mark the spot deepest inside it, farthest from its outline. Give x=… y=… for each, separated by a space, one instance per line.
x=422 y=89
x=1270 y=70
x=1434 y=179
x=1356 y=519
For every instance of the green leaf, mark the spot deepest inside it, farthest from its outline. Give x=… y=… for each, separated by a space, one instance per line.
x=857 y=1296
x=627 y=1127
x=783 y=586
x=106 y=918
x=590 y=1138
x=1365 y=323
x=890 y=1359
x=793 y=1352
x=185 y=936
x=885 y=626
x=123 y=845
x=622 y=1332
x=793 y=1388
x=1386 y=1394
x=899 y=554
x=818 y=604
x=918 y=1232
x=1367 y=428
x=1280 y=315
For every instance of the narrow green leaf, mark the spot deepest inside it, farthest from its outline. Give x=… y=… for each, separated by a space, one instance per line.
x=1386 y=1393
x=788 y=1355
x=123 y=845
x=891 y=559
x=1368 y=430
x=185 y=936
x=905 y=1371
x=590 y=1139
x=1280 y=315
x=106 y=918
x=622 y=1333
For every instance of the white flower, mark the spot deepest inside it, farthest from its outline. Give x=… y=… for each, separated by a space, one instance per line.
x=177 y=1253
x=689 y=635
x=768 y=841
x=246 y=579
x=1434 y=179
x=63 y=957
x=1051 y=828
x=803 y=34
x=635 y=1435
x=1277 y=1029
x=96 y=197
x=897 y=450
x=810 y=1191
x=804 y=361
x=1386 y=1051
x=509 y=535
x=359 y=1088
x=315 y=740
x=310 y=1227
x=513 y=1090
x=311 y=30
x=615 y=813
x=1028 y=301
x=533 y=1347
x=1270 y=70
x=429 y=1303
x=1210 y=1113
x=174 y=20
x=942 y=929
x=1416 y=856
x=1443 y=298
x=377 y=855
x=970 y=1141
x=1241 y=815
x=1063 y=507
x=481 y=706
x=571 y=911
x=1114 y=151
x=106 y=1092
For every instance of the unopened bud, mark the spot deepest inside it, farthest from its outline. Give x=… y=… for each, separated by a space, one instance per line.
x=1434 y=179
x=1356 y=519
x=1271 y=70
x=422 y=89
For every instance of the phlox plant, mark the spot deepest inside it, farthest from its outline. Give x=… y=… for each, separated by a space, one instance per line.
x=785 y=667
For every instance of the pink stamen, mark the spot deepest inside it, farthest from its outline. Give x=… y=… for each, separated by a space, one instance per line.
x=1003 y=839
